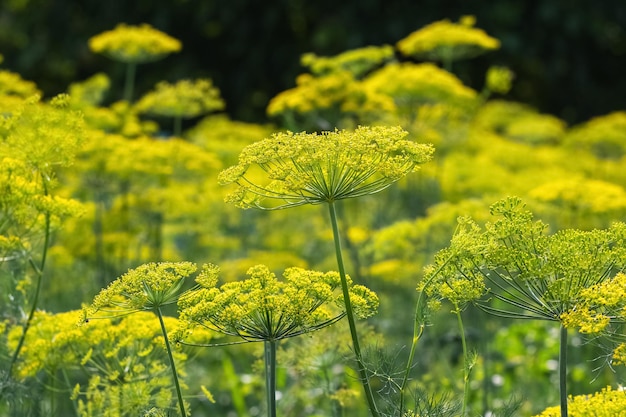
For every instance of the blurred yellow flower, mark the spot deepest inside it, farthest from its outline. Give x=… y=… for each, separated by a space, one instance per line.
x=185 y=99
x=446 y=41
x=134 y=44
x=356 y=61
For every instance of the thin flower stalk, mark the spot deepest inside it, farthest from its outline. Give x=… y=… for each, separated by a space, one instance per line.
x=350 y=315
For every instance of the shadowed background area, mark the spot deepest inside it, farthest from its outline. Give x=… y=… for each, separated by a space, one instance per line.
x=568 y=56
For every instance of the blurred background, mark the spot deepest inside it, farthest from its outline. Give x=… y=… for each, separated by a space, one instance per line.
x=569 y=56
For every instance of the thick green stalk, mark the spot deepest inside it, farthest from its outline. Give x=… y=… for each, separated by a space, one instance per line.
x=179 y=393
x=270 y=376
x=129 y=84
x=39 y=270
x=563 y=371
x=467 y=367
x=350 y=314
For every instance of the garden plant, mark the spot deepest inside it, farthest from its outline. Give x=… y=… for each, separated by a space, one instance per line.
x=158 y=258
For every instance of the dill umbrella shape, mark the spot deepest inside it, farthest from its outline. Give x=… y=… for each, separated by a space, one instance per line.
x=264 y=308
x=559 y=277
x=310 y=168
x=149 y=287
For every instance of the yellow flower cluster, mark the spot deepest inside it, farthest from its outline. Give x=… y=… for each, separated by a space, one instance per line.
x=607 y=403
x=414 y=84
x=11 y=84
x=262 y=308
x=146 y=287
x=134 y=44
x=54 y=342
x=454 y=275
x=338 y=91
x=447 y=41
x=310 y=168
x=583 y=196
x=183 y=99
x=603 y=136
x=44 y=135
x=514 y=253
x=90 y=92
x=602 y=302
x=356 y=61
x=499 y=79
x=619 y=354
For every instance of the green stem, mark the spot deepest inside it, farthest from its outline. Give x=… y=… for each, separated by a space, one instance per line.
x=350 y=314
x=418 y=330
x=181 y=403
x=467 y=367
x=39 y=271
x=563 y=371
x=270 y=376
x=129 y=83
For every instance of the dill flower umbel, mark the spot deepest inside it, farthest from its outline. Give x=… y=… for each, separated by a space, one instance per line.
x=446 y=41
x=263 y=308
x=356 y=61
x=608 y=402
x=411 y=84
x=310 y=168
x=134 y=44
x=184 y=99
x=146 y=287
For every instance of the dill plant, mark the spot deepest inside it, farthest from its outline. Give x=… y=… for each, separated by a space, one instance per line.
x=264 y=309
x=447 y=42
x=517 y=270
x=309 y=168
x=36 y=139
x=149 y=287
x=182 y=100
x=134 y=45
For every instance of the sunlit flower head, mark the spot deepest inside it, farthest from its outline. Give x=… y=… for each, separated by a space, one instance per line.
x=412 y=84
x=447 y=41
x=499 y=79
x=454 y=275
x=356 y=61
x=292 y=169
x=606 y=403
x=184 y=99
x=12 y=84
x=262 y=307
x=532 y=273
x=45 y=135
x=603 y=136
x=134 y=44
x=146 y=287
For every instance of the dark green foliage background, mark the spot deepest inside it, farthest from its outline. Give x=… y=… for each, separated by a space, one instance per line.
x=568 y=55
